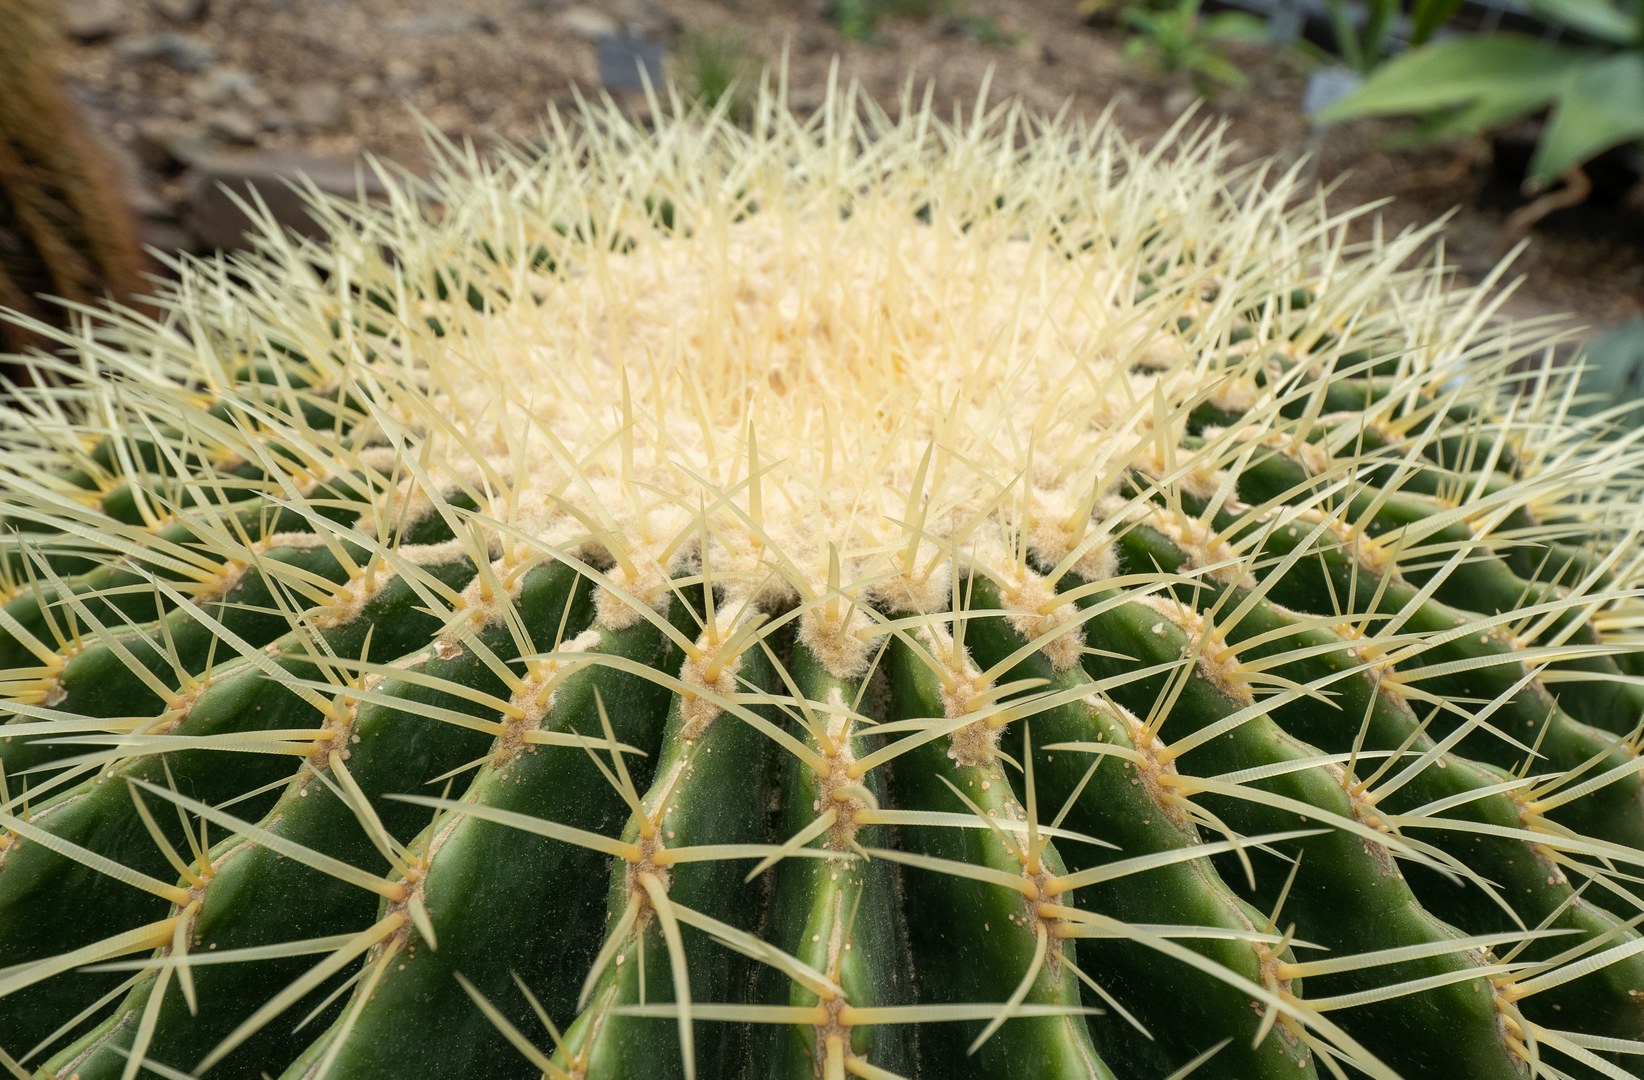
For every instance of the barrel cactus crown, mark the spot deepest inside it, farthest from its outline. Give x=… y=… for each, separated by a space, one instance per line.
x=833 y=596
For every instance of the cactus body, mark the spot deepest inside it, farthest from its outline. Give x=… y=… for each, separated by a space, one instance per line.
x=849 y=597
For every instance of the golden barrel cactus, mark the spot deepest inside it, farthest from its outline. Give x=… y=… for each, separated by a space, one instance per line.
x=841 y=596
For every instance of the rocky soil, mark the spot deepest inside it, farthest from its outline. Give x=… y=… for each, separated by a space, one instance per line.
x=194 y=94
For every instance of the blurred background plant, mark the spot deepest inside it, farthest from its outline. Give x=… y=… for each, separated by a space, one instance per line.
x=1586 y=76
x=860 y=20
x=1612 y=376
x=1180 y=38
x=194 y=104
x=718 y=71
x=1364 y=38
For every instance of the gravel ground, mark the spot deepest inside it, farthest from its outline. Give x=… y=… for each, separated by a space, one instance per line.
x=179 y=86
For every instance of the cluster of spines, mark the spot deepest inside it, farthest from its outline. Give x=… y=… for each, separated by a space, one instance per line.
x=1289 y=575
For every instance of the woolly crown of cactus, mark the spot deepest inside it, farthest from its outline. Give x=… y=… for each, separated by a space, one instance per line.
x=838 y=597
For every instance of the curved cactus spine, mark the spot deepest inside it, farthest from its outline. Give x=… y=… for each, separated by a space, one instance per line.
x=844 y=597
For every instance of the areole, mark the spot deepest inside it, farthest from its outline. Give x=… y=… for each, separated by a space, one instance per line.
x=838 y=596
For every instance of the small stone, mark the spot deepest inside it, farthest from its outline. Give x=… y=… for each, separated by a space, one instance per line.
x=587 y=23
x=400 y=76
x=93 y=20
x=234 y=125
x=179 y=11
x=1179 y=101
x=658 y=21
x=228 y=86
x=364 y=86
x=317 y=106
x=214 y=219
x=627 y=63
x=812 y=39
x=440 y=25
x=176 y=50
x=806 y=102
x=166 y=144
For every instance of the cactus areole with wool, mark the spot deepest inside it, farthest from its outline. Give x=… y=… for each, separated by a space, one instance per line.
x=838 y=596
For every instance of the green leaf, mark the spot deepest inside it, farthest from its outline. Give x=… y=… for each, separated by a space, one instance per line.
x=1428 y=16
x=1614 y=369
x=1452 y=73
x=1381 y=16
x=1347 y=37
x=1219 y=68
x=1602 y=19
x=1601 y=106
x=1234 y=26
x=1481 y=115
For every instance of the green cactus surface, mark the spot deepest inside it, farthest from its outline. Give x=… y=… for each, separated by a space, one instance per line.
x=845 y=595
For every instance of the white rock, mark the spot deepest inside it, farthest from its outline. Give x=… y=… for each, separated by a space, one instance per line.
x=586 y=22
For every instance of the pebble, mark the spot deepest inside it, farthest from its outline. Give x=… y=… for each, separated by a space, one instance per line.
x=400 y=76
x=93 y=20
x=657 y=21
x=587 y=23
x=438 y=25
x=234 y=125
x=229 y=86
x=626 y=63
x=179 y=11
x=812 y=40
x=165 y=144
x=1179 y=101
x=317 y=106
x=176 y=50
x=215 y=220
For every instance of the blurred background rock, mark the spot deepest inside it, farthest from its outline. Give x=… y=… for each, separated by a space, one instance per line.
x=190 y=99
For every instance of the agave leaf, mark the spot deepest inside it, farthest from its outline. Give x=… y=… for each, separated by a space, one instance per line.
x=1602 y=106
x=1516 y=71
x=1603 y=19
x=1234 y=26
x=1479 y=115
x=1428 y=15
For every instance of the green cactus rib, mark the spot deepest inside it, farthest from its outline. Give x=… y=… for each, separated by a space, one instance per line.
x=833 y=597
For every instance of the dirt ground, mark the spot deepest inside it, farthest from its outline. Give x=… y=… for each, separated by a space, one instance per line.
x=174 y=81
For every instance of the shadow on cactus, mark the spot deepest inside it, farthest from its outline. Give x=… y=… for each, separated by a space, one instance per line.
x=933 y=600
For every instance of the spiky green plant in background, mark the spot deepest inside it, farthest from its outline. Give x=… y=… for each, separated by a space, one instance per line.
x=841 y=597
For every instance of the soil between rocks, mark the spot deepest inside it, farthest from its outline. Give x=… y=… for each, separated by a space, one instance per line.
x=179 y=86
